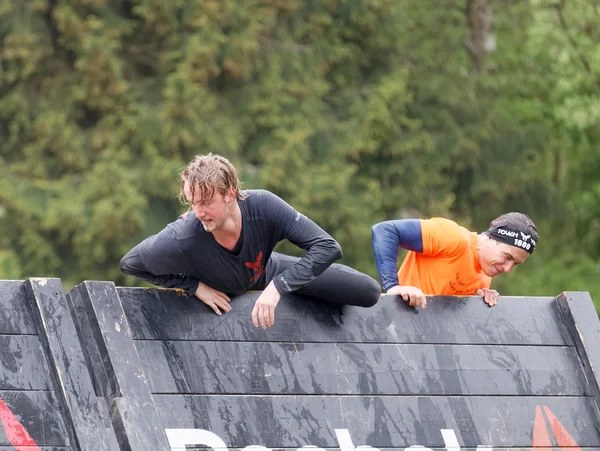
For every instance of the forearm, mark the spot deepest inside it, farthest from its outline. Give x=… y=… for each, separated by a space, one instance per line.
x=133 y=265
x=319 y=257
x=322 y=249
x=387 y=237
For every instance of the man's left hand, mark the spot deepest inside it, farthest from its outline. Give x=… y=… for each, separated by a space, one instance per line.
x=489 y=296
x=264 y=308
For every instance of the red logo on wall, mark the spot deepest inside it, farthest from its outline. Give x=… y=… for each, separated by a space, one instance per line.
x=541 y=435
x=14 y=430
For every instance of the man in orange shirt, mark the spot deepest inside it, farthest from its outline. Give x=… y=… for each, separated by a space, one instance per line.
x=447 y=259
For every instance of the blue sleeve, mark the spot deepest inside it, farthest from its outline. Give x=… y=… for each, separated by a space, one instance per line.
x=387 y=237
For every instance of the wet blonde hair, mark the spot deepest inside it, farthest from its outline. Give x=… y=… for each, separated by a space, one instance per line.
x=207 y=175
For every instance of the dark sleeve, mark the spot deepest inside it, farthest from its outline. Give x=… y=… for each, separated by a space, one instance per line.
x=322 y=249
x=156 y=260
x=387 y=237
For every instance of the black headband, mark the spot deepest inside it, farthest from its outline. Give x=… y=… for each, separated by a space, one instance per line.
x=512 y=237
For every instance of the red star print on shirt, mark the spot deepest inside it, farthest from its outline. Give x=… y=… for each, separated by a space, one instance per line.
x=257 y=266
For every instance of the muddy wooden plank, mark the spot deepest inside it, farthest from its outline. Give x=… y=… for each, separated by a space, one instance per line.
x=71 y=377
x=15 y=313
x=89 y=346
x=581 y=318
x=22 y=364
x=329 y=368
x=389 y=421
x=170 y=315
x=133 y=413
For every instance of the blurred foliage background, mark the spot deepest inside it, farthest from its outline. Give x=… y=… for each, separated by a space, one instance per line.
x=354 y=111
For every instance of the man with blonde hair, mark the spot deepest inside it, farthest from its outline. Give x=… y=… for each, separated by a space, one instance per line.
x=226 y=248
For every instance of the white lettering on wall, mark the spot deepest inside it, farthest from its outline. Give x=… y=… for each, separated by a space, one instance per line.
x=178 y=438
x=451 y=441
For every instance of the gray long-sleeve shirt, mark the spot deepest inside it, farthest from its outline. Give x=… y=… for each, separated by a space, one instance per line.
x=183 y=253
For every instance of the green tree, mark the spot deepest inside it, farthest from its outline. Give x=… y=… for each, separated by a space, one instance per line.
x=353 y=111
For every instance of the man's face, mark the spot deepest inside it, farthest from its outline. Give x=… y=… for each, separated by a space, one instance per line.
x=496 y=258
x=212 y=213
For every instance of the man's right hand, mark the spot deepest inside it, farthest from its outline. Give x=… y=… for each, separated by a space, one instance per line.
x=413 y=295
x=213 y=298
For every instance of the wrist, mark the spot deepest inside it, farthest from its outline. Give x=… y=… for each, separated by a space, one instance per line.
x=272 y=288
x=199 y=288
x=390 y=284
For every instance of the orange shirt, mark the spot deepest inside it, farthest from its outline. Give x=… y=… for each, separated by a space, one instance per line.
x=448 y=264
